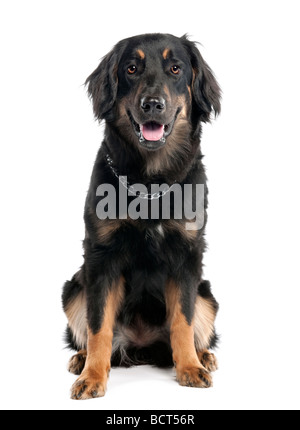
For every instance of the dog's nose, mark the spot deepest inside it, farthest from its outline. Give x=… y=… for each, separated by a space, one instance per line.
x=153 y=104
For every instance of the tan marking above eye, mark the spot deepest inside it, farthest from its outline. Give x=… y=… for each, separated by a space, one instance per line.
x=165 y=53
x=141 y=54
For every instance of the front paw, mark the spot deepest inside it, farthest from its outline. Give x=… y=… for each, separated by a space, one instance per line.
x=194 y=377
x=88 y=386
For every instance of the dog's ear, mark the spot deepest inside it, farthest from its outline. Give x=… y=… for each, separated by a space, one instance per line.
x=205 y=88
x=102 y=86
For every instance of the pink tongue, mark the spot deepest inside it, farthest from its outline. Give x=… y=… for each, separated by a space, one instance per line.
x=152 y=131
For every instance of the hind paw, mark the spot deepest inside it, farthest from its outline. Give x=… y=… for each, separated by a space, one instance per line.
x=77 y=363
x=208 y=360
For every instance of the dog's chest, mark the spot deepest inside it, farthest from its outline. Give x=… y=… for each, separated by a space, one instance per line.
x=158 y=232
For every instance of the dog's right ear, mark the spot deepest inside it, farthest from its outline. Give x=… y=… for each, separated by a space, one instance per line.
x=102 y=86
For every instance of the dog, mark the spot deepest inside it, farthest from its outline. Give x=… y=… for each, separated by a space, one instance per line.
x=139 y=297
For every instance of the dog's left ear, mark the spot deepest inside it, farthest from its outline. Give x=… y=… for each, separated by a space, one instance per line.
x=102 y=86
x=205 y=88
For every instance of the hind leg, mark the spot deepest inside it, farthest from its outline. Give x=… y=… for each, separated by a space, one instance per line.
x=75 y=307
x=205 y=337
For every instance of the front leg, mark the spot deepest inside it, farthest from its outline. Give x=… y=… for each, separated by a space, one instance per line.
x=180 y=313
x=93 y=380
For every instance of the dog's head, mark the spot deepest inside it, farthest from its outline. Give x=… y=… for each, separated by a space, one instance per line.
x=154 y=87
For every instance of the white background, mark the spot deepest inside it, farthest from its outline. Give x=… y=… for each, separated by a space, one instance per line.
x=49 y=141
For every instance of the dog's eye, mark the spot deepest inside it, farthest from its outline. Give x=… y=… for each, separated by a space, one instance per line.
x=175 y=70
x=131 y=70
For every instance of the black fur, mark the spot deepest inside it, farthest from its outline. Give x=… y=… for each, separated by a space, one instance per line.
x=134 y=250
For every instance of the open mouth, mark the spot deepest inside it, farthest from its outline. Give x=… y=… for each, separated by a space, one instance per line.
x=152 y=135
x=152 y=131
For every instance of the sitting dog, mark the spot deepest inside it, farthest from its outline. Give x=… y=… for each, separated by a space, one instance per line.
x=139 y=297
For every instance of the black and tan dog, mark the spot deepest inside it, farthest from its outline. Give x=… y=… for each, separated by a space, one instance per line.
x=139 y=297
